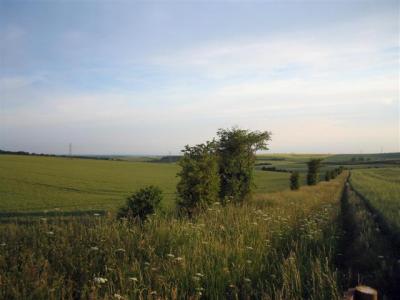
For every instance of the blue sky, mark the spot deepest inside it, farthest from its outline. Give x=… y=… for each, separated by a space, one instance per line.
x=150 y=77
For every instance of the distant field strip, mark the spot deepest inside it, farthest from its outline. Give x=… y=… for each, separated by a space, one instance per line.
x=29 y=183
x=381 y=187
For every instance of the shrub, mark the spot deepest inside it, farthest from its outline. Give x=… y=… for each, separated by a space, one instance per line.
x=294 y=181
x=313 y=169
x=141 y=203
x=328 y=175
x=199 y=179
x=236 y=151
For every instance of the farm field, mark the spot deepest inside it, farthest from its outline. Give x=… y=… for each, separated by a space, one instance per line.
x=298 y=162
x=31 y=183
x=381 y=188
x=279 y=245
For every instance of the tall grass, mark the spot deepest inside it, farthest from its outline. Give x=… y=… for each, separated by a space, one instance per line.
x=277 y=246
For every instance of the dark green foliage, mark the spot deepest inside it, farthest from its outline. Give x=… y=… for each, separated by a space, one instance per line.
x=313 y=169
x=140 y=204
x=274 y=169
x=328 y=175
x=294 y=181
x=199 y=179
x=236 y=151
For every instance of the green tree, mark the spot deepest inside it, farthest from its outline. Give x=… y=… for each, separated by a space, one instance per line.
x=199 y=179
x=313 y=169
x=294 y=181
x=236 y=151
x=141 y=203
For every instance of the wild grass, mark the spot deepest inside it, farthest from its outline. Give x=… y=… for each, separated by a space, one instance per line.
x=277 y=246
x=31 y=183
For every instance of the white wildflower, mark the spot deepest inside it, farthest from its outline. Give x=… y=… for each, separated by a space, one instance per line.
x=100 y=280
x=133 y=279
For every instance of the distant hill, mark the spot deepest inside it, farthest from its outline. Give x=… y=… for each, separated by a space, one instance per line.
x=363 y=158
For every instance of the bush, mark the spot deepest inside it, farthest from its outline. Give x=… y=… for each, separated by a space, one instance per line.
x=141 y=203
x=199 y=179
x=236 y=151
x=328 y=175
x=294 y=181
x=313 y=169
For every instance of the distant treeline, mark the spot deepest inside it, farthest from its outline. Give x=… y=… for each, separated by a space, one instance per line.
x=24 y=153
x=168 y=159
x=274 y=169
x=54 y=155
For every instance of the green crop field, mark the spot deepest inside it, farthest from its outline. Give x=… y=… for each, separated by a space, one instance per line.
x=382 y=189
x=31 y=183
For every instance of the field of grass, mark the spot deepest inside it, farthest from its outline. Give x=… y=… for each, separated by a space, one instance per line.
x=298 y=162
x=32 y=183
x=276 y=246
x=381 y=187
x=377 y=157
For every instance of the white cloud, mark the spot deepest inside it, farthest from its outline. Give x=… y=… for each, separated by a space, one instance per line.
x=343 y=48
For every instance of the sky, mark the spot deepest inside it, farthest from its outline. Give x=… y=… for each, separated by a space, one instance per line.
x=125 y=77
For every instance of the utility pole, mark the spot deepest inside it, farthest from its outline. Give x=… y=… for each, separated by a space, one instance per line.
x=70 y=150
